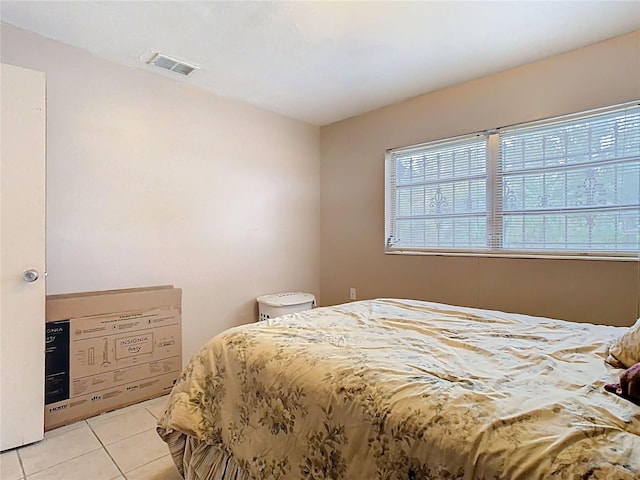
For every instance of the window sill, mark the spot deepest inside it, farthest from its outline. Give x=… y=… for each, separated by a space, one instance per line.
x=532 y=256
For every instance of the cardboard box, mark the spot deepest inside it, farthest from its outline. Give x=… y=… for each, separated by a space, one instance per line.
x=106 y=350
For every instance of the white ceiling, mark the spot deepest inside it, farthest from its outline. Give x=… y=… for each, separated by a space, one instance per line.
x=325 y=61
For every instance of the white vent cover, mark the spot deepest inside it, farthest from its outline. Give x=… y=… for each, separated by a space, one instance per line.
x=171 y=64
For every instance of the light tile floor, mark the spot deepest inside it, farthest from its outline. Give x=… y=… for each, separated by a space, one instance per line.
x=119 y=445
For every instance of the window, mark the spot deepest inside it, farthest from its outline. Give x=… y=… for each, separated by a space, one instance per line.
x=567 y=186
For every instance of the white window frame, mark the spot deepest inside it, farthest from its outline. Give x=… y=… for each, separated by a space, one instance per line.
x=494 y=201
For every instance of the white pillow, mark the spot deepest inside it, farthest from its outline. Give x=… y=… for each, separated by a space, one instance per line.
x=625 y=351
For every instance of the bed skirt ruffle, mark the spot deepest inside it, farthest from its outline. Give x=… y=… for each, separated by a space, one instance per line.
x=196 y=460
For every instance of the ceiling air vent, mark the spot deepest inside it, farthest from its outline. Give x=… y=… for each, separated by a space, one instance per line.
x=171 y=64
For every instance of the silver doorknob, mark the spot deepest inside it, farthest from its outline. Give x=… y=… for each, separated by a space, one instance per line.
x=30 y=275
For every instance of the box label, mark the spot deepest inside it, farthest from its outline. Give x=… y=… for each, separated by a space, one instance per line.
x=135 y=345
x=56 y=366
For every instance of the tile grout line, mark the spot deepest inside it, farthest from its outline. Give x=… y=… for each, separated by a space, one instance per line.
x=24 y=473
x=104 y=447
x=106 y=416
x=144 y=464
x=107 y=451
x=50 y=466
x=155 y=428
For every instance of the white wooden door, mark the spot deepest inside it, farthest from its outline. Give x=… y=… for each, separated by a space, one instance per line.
x=22 y=248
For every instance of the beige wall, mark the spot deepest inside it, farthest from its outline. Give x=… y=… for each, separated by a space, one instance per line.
x=151 y=181
x=352 y=193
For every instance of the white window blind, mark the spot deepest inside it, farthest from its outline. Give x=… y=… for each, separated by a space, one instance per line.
x=439 y=194
x=568 y=186
x=572 y=185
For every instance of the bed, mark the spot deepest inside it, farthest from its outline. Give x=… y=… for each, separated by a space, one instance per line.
x=403 y=389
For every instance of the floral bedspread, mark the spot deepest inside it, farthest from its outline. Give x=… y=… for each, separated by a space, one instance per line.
x=400 y=389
